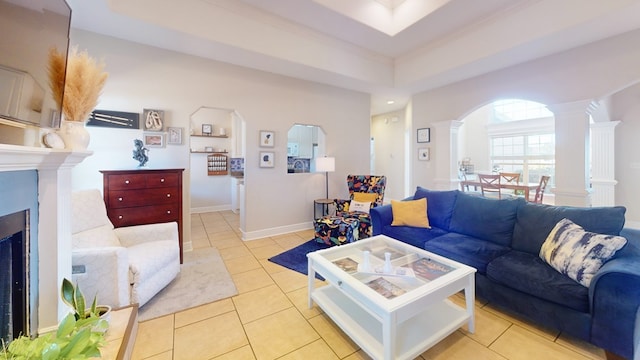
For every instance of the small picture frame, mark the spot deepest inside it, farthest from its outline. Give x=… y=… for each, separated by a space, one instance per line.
x=424 y=154
x=424 y=135
x=152 y=120
x=207 y=129
x=267 y=159
x=267 y=138
x=153 y=139
x=174 y=135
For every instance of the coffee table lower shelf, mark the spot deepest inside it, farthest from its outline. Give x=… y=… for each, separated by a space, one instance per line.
x=413 y=336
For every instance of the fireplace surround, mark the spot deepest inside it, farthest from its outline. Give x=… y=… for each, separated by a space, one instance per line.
x=14 y=275
x=39 y=180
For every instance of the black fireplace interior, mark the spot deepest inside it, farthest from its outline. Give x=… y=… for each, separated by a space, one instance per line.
x=14 y=275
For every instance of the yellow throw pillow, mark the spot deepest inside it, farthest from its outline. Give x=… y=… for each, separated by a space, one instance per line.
x=365 y=197
x=410 y=213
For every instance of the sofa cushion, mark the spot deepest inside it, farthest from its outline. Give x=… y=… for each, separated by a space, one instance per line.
x=486 y=219
x=410 y=213
x=535 y=221
x=412 y=235
x=576 y=253
x=466 y=249
x=440 y=205
x=529 y=274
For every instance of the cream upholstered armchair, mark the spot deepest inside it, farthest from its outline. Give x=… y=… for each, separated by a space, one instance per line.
x=120 y=266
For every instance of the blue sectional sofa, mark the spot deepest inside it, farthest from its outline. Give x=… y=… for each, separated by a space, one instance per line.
x=502 y=240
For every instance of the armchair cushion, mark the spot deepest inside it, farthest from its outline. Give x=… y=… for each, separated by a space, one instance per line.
x=100 y=236
x=360 y=206
x=365 y=197
x=88 y=211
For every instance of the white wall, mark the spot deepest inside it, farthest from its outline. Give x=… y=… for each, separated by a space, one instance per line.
x=388 y=131
x=474 y=137
x=590 y=72
x=146 y=77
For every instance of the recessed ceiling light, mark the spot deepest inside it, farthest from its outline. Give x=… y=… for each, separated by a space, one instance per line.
x=390 y=102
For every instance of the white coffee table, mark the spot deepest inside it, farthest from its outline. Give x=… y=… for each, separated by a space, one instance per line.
x=392 y=315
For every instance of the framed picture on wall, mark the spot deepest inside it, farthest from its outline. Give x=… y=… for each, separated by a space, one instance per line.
x=267 y=138
x=174 y=135
x=153 y=139
x=152 y=120
x=267 y=159
x=424 y=135
x=424 y=154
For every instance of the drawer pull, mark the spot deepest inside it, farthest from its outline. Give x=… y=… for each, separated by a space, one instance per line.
x=126 y=181
x=168 y=195
x=120 y=217
x=162 y=180
x=119 y=199
x=168 y=211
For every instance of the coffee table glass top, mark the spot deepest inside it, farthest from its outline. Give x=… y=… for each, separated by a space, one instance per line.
x=393 y=268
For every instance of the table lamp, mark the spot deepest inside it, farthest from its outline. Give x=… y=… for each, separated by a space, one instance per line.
x=326 y=164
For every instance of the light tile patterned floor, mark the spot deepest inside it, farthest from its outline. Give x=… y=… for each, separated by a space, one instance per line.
x=269 y=318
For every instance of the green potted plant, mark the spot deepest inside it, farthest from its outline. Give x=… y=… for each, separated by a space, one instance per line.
x=74 y=298
x=79 y=335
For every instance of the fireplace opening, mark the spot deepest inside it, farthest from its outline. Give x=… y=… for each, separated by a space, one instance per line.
x=14 y=275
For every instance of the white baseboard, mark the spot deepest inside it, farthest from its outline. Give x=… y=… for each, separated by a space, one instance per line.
x=259 y=234
x=205 y=209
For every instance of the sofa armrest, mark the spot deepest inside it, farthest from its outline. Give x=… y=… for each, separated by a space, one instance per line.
x=138 y=234
x=614 y=296
x=102 y=272
x=380 y=217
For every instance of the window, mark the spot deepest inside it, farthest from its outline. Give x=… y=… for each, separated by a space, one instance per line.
x=522 y=139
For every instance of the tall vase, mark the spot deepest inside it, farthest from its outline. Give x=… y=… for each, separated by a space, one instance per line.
x=75 y=135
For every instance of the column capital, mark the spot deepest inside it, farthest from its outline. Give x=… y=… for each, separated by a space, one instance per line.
x=580 y=106
x=605 y=125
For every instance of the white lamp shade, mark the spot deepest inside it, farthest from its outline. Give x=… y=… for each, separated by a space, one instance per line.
x=325 y=164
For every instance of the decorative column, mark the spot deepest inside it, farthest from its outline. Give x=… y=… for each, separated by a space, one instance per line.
x=603 y=182
x=445 y=154
x=572 y=153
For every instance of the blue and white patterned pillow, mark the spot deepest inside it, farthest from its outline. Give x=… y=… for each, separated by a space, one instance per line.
x=577 y=253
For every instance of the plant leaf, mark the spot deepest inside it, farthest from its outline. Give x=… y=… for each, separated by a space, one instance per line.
x=80 y=303
x=66 y=292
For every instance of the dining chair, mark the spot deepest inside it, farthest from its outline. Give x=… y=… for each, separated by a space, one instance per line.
x=490 y=185
x=512 y=178
x=544 y=180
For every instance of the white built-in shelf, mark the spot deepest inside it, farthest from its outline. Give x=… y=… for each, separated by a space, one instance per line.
x=211 y=136
x=209 y=152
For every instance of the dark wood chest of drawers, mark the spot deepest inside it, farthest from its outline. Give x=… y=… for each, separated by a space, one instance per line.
x=137 y=197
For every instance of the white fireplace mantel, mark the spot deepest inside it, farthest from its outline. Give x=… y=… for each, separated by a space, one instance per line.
x=54 y=226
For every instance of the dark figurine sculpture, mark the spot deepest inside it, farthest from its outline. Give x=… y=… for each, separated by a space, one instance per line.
x=140 y=152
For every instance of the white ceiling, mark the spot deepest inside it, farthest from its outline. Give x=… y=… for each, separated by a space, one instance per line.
x=388 y=48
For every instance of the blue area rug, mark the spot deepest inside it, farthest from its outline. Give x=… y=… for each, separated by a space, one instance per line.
x=296 y=258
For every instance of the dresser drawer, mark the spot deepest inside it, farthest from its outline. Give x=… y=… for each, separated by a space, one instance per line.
x=144 y=215
x=131 y=198
x=127 y=181
x=158 y=180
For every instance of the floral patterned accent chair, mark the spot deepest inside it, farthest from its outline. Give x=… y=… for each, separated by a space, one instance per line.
x=365 y=192
x=336 y=230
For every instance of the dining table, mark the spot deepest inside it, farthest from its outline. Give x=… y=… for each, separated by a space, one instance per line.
x=526 y=188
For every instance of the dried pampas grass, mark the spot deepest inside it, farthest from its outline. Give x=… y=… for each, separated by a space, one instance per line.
x=82 y=86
